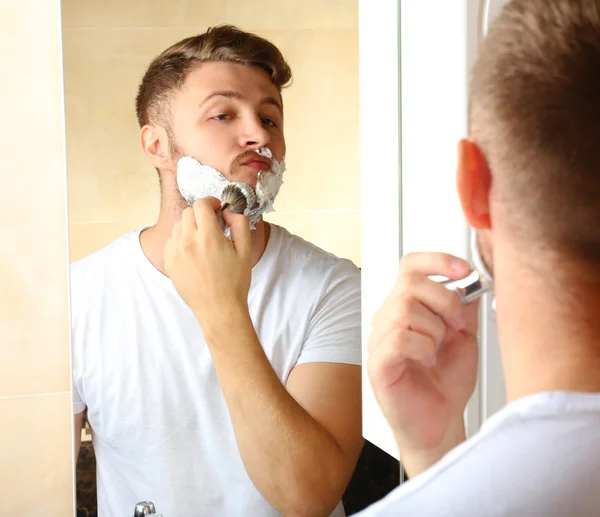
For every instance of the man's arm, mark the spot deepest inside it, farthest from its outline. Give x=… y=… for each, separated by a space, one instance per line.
x=418 y=460
x=79 y=417
x=299 y=452
x=422 y=359
x=299 y=445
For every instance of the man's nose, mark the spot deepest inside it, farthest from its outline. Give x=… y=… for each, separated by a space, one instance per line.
x=255 y=133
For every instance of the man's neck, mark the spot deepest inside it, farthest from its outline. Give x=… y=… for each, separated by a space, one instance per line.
x=154 y=239
x=549 y=338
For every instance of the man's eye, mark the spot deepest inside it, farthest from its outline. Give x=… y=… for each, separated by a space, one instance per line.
x=268 y=122
x=221 y=117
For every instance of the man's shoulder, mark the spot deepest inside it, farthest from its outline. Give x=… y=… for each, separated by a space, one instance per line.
x=103 y=260
x=300 y=254
x=508 y=467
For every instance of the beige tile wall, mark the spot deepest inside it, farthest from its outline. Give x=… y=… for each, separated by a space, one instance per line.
x=36 y=460
x=108 y=45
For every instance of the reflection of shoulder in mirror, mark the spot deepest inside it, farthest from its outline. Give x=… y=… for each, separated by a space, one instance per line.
x=90 y=273
x=296 y=253
x=293 y=265
x=113 y=249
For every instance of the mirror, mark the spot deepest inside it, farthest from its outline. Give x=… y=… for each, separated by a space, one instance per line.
x=147 y=368
x=107 y=49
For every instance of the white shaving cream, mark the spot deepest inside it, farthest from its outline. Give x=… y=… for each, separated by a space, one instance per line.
x=478 y=259
x=196 y=181
x=480 y=264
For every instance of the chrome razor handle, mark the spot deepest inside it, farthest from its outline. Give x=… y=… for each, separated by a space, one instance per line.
x=145 y=508
x=469 y=288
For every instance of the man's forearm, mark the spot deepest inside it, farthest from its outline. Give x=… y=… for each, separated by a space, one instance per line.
x=292 y=460
x=416 y=461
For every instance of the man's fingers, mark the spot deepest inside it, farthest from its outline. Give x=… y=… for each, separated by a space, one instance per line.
x=435 y=297
x=428 y=263
x=417 y=303
x=187 y=223
x=411 y=314
x=213 y=202
x=409 y=344
x=176 y=233
x=205 y=215
x=388 y=358
x=241 y=236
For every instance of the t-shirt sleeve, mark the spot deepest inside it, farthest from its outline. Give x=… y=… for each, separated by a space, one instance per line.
x=78 y=403
x=334 y=332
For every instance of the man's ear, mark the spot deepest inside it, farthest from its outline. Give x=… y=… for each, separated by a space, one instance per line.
x=155 y=144
x=474 y=183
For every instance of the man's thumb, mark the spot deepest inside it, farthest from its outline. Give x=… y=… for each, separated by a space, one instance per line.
x=240 y=231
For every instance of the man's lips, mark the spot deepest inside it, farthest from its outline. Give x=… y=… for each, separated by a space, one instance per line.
x=258 y=163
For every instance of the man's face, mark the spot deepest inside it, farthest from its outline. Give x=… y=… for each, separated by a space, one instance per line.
x=223 y=113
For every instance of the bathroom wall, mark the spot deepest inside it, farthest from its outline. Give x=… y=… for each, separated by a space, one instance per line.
x=36 y=459
x=108 y=46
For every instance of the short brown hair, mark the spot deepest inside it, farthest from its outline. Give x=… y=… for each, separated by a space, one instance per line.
x=168 y=71
x=535 y=113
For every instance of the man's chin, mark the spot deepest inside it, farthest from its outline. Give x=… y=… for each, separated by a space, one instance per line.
x=247 y=177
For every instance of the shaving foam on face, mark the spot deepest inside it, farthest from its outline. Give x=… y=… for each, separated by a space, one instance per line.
x=196 y=181
x=269 y=182
x=478 y=259
x=480 y=264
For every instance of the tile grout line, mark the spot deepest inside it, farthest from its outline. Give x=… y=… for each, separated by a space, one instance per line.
x=276 y=212
x=192 y=29
x=6 y=397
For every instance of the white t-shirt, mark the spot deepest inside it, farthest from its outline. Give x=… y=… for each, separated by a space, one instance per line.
x=161 y=428
x=537 y=457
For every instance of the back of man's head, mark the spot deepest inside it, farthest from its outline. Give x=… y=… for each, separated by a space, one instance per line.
x=535 y=113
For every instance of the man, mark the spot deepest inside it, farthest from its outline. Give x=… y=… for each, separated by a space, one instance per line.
x=529 y=184
x=220 y=377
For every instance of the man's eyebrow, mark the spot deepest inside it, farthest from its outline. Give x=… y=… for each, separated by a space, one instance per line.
x=274 y=102
x=232 y=94
x=229 y=94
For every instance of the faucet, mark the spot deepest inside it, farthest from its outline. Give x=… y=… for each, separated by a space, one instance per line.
x=145 y=508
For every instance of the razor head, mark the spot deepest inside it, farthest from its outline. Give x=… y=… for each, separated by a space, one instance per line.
x=471 y=287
